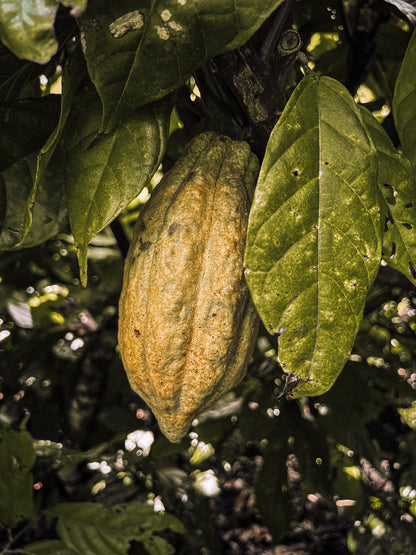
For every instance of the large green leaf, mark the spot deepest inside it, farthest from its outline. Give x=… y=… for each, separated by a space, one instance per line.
x=104 y=173
x=404 y=102
x=26 y=28
x=89 y=528
x=398 y=187
x=17 y=456
x=314 y=238
x=139 y=51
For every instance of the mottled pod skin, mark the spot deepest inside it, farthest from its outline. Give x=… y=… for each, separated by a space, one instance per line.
x=187 y=325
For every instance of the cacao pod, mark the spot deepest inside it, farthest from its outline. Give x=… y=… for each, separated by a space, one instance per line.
x=187 y=325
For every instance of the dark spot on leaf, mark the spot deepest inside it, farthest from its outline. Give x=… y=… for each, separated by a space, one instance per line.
x=172 y=228
x=366 y=256
x=137 y=333
x=393 y=250
x=213 y=314
x=95 y=141
x=326 y=163
x=408 y=226
x=412 y=271
x=293 y=299
x=296 y=173
x=142 y=227
x=409 y=204
x=13 y=230
x=354 y=284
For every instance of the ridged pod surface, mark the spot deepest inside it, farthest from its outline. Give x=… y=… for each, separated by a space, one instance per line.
x=187 y=325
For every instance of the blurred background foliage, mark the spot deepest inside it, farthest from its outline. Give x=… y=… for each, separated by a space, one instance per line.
x=259 y=472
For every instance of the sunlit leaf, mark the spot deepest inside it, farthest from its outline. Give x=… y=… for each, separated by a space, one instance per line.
x=138 y=52
x=17 y=456
x=26 y=28
x=398 y=187
x=404 y=102
x=104 y=173
x=314 y=239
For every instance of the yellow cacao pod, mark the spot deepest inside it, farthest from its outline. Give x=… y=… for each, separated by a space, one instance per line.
x=187 y=326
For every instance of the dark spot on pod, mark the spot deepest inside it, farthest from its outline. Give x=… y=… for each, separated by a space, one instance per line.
x=137 y=333
x=172 y=228
x=144 y=246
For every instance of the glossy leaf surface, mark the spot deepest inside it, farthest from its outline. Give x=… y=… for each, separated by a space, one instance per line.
x=138 y=52
x=104 y=173
x=398 y=188
x=314 y=240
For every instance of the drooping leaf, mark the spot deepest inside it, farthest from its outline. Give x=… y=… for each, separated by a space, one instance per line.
x=26 y=28
x=73 y=74
x=404 y=102
x=398 y=186
x=314 y=239
x=89 y=528
x=17 y=456
x=28 y=221
x=104 y=173
x=408 y=7
x=138 y=52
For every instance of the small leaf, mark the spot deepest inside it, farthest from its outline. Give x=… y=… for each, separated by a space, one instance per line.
x=26 y=28
x=314 y=239
x=17 y=457
x=104 y=173
x=404 y=102
x=28 y=222
x=397 y=185
x=140 y=52
x=89 y=528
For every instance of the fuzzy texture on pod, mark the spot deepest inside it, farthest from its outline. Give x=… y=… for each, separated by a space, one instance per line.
x=187 y=324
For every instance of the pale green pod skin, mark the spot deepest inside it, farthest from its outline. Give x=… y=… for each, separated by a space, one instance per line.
x=187 y=325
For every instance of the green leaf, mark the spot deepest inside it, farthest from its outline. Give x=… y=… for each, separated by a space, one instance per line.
x=17 y=456
x=26 y=28
x=105 y=172
x=30 y=221
x=89 y=528
x=404 y=102
x=138 y=52
x=398 y=187
x=48 y=547
x=73 y=74
x=314 y=238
